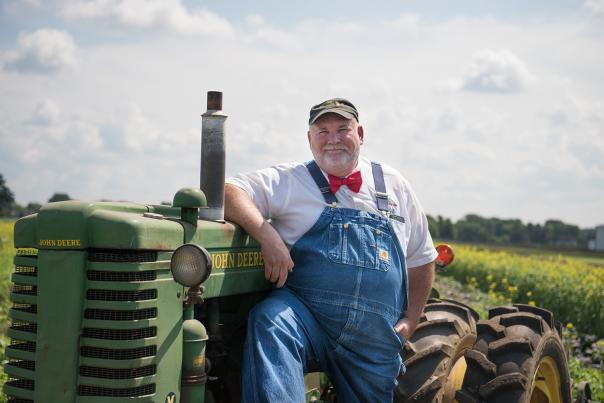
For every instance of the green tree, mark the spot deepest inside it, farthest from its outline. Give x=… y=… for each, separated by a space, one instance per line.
x=31 y=208
x=57 y=197
x=7 y=199
x=433 y=226
x=445 y=228
x=473 y=228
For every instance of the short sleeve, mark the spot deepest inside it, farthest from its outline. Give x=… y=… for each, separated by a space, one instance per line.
x=268 y=188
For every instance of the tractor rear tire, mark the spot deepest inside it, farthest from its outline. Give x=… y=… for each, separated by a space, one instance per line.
x=434 y=356
x=518 y=357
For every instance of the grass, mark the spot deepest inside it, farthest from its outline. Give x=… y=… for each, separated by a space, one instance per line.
x=7 y=252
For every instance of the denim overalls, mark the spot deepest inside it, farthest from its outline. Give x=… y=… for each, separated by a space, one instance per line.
x=337 y=311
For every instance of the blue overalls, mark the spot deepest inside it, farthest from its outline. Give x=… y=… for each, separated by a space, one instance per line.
x=336 y=312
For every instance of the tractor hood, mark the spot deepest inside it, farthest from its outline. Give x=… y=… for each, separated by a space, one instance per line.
x=83 y=225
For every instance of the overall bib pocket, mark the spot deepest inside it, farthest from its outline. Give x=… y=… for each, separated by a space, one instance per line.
x=360 y=244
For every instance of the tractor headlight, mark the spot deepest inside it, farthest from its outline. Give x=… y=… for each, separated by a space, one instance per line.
x=191 y=265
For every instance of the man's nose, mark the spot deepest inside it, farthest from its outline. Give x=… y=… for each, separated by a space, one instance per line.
x=333 y=137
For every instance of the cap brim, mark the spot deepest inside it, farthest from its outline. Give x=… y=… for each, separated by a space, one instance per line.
x=340 y=112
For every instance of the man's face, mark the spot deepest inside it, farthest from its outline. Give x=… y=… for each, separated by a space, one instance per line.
x=335 y=143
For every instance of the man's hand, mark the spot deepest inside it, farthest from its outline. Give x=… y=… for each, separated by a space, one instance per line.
x=420 y=284
x=277 y=260
x=239 y=207
x=405 y=327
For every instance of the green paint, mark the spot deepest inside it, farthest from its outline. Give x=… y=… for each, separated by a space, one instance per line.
x=63 y=233
x=60 y=295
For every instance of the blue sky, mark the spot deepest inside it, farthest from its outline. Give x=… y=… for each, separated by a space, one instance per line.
x=487 y=107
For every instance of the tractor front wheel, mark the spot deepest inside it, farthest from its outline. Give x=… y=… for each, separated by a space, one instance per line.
x=518 y=357
x=434 y=356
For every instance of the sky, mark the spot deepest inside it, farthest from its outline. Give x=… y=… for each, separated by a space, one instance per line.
x=487 y=107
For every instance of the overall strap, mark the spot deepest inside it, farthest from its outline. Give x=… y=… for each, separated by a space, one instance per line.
x=381 y=197
x=321 y=182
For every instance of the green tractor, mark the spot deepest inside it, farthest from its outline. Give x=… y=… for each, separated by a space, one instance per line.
x=122 y=302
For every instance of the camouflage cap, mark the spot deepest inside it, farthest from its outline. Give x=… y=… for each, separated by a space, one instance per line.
x=341 y=106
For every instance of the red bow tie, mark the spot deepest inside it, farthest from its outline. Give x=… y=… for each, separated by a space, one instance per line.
x=353 y=181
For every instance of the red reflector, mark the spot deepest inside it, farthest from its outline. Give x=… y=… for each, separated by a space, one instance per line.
x=445 y=255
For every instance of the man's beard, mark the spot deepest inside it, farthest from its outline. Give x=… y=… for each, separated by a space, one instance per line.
x=343 y=160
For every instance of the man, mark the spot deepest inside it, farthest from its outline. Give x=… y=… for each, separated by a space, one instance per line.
x=352 y=261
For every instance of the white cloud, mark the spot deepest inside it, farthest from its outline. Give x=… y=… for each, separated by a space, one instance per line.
x=496 y=71
x=43 y=51
x=254 y=20
x=170 y=15
x=132 y=110
x=595 y=6
x=46 y=113
x=408 y=23
x=279 y=39
x=139 y=130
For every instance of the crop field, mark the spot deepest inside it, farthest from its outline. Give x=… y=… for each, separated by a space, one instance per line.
x=571 y=287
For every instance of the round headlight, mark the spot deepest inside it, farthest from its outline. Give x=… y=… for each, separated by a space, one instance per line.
x=190 y=265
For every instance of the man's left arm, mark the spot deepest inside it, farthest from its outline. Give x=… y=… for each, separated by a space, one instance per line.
x=420 y=283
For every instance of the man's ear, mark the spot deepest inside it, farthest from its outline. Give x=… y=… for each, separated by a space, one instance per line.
x=360 y=133
x=308 y=136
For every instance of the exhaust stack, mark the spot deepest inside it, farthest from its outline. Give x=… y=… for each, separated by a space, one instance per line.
x=213 y=158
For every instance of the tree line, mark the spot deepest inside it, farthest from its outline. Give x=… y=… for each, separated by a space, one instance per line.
x=476 y=229
x=10 y=208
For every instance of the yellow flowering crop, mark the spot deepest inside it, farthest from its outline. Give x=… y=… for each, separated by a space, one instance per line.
x=573 y=290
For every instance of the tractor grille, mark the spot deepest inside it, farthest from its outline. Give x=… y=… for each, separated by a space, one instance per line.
x=27 y=270
x=21 y=383
x=121 y=256
x=87 y=390
x=133 y=287
x=24 y=327
x=23 y=346
x=118 y=354
x=25 y=289
x=29 y=365
x=111 y=314
x=22 y=316
x=29 y=308
x=120 y=334
x=120 y=295
x=118 y=373
x=135 y=276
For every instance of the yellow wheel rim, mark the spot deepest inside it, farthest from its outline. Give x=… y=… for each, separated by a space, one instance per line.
x=545 y=387
x=454 y=380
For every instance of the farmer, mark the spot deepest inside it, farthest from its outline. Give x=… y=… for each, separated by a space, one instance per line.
x=349 y=251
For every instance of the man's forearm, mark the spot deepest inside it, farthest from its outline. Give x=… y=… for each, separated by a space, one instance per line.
x=420 y=284
x=239 y=208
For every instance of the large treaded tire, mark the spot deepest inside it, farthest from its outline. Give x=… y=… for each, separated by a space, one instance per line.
x=446 y=330
x=518 y=357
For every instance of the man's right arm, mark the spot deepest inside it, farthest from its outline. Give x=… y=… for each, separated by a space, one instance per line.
x=239 y=208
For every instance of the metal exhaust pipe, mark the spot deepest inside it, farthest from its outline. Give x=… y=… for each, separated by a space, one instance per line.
x=212 y=173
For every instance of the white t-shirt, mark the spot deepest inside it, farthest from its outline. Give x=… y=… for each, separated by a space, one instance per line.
x=288 y=196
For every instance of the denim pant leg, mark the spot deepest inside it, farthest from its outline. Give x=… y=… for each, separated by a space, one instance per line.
x=365 y=362
x=356 y=382
x=278 y=349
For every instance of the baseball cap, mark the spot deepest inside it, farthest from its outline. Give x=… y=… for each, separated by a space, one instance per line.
x=341 y=106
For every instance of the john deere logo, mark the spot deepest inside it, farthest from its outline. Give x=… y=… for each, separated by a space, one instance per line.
x=171 y=398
